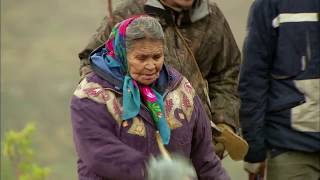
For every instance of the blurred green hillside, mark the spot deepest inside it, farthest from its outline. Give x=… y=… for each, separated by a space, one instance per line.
x=39 y=71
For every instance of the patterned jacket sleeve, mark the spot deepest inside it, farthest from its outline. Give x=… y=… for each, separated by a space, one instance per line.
x=205 y=161
x=97 y=145
x=254 y=77
x=223 y=76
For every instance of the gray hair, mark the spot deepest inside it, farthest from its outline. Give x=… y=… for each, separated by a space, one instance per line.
x=144 y=27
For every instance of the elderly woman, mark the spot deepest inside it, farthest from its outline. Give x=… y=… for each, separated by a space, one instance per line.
x=131 y=96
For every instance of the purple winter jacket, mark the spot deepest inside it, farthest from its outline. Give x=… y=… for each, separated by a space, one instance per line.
x=113 y=149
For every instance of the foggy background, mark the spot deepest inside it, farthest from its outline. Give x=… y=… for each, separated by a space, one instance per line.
x=40 y=40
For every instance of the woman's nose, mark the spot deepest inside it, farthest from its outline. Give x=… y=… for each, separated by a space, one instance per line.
x=150 y=66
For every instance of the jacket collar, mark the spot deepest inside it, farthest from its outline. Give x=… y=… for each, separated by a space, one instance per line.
x=196 y=13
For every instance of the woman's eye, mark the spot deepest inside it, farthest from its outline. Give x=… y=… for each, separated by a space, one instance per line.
x=156 y=57
x=141 y=58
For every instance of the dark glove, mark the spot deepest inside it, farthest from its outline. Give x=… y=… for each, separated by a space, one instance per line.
x=85 y=70
x=85 y=67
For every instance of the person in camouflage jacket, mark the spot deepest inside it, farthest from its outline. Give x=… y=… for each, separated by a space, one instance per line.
x=200 y=46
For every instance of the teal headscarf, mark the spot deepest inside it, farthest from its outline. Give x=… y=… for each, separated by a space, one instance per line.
x=113 y=60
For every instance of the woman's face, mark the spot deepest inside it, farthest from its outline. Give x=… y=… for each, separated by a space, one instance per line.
x=145 y=60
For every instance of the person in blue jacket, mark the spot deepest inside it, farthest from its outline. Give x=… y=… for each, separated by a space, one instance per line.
x=280 y=89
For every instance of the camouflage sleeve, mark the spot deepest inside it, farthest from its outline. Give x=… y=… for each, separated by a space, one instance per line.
x=223 y=77
x=98 y=38
x=122 y=11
